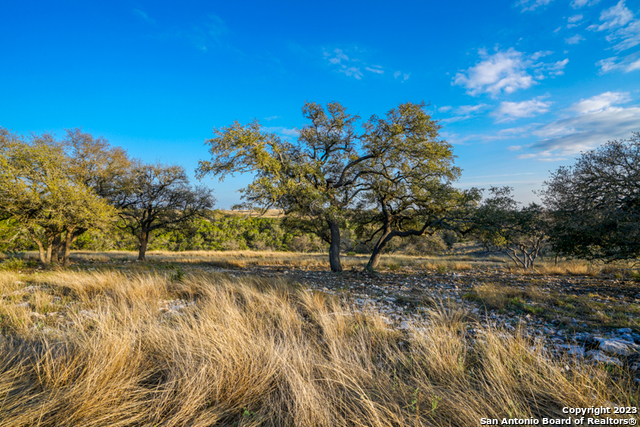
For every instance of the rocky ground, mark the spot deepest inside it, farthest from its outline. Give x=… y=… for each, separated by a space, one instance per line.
x=592 y=319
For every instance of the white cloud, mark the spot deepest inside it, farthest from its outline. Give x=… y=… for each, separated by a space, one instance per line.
x=375 y=70
x=629 y=36
x=633 y=66
x=351 y=71
x=621 y=25
x=143 y=15
x=598 y=120
x=464 y=112
x=445 y=108
x=509 y=111
x=627 y=64
x=577 y=4
x=540 y=54
x=468 y=109
x=350 y=63
x=608 y=64
x=600 y=102
x=555 y=68
x=401 y=76
x=336 y=56
x=532 y=4
x=614 y=17
x=575 y=18
x=574 y=39
x=505 y=71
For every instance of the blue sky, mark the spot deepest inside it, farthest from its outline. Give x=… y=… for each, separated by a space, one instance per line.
x=520 y=87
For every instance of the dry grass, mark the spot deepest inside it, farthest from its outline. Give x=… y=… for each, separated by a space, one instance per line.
x=568 y=309
x=257 y=352
x=245 y=259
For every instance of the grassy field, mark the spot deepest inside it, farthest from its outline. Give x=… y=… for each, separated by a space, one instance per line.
x=122 y=345
x=393 y=262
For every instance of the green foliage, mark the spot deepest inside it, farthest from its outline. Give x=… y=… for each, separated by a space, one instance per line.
x=318 y=180
x=219 y=232
x=159 y=197
x=596 y=203
x=42 y=195
x=520 y=233
x=13 y=264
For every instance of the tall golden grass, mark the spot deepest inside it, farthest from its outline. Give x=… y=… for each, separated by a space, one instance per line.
x=258 y=352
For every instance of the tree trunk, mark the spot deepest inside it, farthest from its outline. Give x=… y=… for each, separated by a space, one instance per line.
x=56 y=248
x=66 y=247
x=142 y=249
x=334 y=247
x=376 y=254
x=41 y=252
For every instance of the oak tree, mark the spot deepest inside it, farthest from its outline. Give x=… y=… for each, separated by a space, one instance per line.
x=596 y=203
x=504 y=227
x=317 y=179
x=39 y=192
x=159 y=197
x=407 y=190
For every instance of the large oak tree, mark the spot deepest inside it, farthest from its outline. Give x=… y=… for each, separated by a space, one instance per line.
x=596 y=203
x=319 y=178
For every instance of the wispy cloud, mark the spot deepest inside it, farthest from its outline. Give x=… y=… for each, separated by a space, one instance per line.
x=600 y=102
x=509 y=111
x=462 y=112
x=351 y=71
x=284 y=132
x=626 y=64
x=349 y=65
x=143 y=15
x=595 y=121
x=528 y=5
x=575 y=18
x=399 y=75
x=621 y=25
x=375 y=69
x=336 y=57
x=614 y=17
x=577 y=4
x=503 y=134
x=574 y=39
x=506 y=71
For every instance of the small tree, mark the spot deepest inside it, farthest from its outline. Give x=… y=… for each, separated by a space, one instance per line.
x=504 y=228
x=160 y=197
x=596 y=203
x=38 y=192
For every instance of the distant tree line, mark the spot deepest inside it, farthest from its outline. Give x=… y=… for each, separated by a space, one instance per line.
x=345 y=185
x=55 y=191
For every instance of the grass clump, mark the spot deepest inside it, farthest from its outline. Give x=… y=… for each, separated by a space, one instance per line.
x=262 y=352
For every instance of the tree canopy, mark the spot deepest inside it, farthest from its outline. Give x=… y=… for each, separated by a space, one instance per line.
x=596 y=203
x=39 y=192
x=159 y=197
x=519 y=232
x=319 y=178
